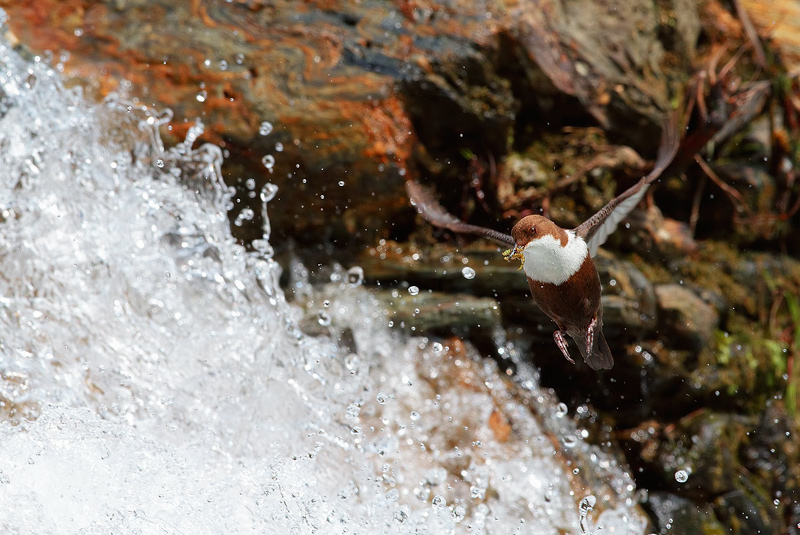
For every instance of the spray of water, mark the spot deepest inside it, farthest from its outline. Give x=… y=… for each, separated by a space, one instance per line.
x=154 y=379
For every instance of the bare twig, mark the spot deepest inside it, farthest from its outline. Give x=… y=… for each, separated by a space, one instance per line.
x=696 y=205
x=752 y=35
x=733 y=195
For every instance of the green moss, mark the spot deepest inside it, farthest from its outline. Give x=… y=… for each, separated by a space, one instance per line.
x=791 y=388
x=745 y=358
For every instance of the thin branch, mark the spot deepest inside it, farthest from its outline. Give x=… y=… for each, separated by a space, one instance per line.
x=735 y=196
x=750 y=30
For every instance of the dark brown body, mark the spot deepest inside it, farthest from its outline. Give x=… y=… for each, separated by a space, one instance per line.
x=573 y=305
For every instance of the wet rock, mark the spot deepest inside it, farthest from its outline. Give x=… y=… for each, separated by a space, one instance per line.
x=682 y=28
x=585 y=58
x=523 y=171
x=685 y=320
x=629 y=300
x=703 y=457
x=423 y=312
x=675 y=515
x=657 y=237
x=351 y=99
x=743 y=512
x=478 y=269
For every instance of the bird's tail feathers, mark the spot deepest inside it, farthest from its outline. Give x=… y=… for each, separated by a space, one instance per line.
x=601 y=358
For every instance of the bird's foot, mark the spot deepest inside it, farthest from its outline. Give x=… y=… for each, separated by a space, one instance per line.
x=590 y=336
x=561 y=342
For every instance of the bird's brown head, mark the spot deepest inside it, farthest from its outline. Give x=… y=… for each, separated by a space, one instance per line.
x=529 y=228
x=533 y=227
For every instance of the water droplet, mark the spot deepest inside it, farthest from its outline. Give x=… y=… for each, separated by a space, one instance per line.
x=468 y=273
x=400 y=516
x=414 y=416
x=353 y=410
x=247 y=214
x=458 y=514
x=279 y=147
x=323 y=318
x=202 y=95
x=438 y=347
x=268 y=192
x=681 y=476
x=382 y=398
x=268 y=161
x=587 y=504
x=413 y=290
x=351 y=361
x=355 y=276
x=439 y=502
x=561 y=410
x=160 y=163
x=570 y=441
x=265 y=129
x=392 y=495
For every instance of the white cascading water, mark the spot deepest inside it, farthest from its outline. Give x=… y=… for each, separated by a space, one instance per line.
x=154 y=379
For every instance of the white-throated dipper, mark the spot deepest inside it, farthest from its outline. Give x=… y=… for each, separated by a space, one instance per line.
x=558 y=263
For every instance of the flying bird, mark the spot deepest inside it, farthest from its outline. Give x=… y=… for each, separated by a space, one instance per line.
x=558 y=262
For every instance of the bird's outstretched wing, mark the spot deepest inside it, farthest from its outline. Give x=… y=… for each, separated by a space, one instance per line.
x=599 y=227
x=429 y=208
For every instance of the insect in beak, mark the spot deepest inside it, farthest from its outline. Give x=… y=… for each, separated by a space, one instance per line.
x=515 y=254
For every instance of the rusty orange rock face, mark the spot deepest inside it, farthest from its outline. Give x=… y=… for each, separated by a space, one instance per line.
x=349 y=88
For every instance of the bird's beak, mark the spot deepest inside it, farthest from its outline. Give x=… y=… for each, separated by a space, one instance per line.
x=515 y=253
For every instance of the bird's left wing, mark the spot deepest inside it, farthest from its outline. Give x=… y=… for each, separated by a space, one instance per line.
x=599 y=227
x=429 y=208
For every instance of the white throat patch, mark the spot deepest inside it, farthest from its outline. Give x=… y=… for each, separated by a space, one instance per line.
x=547 y=261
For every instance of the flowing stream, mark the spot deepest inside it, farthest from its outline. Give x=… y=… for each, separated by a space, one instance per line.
x=155 y=379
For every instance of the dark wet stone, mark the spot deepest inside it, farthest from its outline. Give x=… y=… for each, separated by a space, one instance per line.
x=704 y=457
x=743 y=513
x=629 y=300
x=675 y=515
x=479 y=269
x=435 y=312
x=656 y=237
x=685 y=320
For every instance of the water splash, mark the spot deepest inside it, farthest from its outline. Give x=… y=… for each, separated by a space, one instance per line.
x=154 y=378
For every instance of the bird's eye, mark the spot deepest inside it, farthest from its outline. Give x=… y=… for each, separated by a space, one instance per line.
x=533 y=231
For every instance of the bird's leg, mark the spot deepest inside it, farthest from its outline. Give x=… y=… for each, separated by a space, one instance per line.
x=561 y=342
x=590 y=335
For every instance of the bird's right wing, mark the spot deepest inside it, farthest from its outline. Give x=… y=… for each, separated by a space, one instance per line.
x=597 y=228
x=429 y=208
